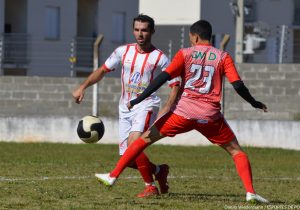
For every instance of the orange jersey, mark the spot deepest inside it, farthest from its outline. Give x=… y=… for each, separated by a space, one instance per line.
x=202 y=68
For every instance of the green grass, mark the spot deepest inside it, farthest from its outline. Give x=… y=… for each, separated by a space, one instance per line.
x=61 y=176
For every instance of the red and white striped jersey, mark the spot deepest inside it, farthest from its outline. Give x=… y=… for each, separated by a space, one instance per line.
x=138 y=70
x=202 y=68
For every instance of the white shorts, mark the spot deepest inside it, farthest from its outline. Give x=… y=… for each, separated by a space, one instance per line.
x=138 y=120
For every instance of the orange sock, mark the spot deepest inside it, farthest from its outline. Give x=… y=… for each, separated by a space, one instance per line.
x=243 y=168
x=130 y=154
x=145 y=167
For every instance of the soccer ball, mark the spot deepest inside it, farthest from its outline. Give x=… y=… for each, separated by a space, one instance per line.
x=90 y=129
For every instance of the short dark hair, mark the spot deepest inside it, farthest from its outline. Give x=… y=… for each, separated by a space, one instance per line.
x=145 y=18
x=202 y=28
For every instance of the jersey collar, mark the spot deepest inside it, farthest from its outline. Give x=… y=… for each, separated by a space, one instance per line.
x=203 y=44
x=136 y=48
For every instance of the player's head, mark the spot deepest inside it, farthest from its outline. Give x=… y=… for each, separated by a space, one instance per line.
x=145 y=19
x=200 y=29
x=143 y=29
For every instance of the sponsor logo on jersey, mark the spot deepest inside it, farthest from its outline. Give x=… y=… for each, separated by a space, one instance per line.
x=200 y=55
x=135 y=88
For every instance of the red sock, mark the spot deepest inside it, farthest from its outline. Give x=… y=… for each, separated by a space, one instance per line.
x=145 y=167
x=243 y=168
x=130 y=154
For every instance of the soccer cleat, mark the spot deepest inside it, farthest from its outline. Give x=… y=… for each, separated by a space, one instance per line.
x=254 y=198
x=162 y=178
x=106 y=179
x=149 y=191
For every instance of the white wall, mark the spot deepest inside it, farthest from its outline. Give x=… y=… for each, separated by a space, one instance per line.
x=277 y=134
x=171 y=12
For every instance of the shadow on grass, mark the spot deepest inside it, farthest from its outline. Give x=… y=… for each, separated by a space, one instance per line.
x=205 y=197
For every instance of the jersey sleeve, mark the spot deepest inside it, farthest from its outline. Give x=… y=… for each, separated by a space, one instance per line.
x=177 y=65
x=114 y=59
x=230 y=69
x=164 y=63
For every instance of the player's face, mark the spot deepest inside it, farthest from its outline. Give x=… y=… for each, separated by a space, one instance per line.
x=142 y=33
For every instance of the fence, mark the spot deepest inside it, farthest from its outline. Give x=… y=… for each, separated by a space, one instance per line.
x=23 y=54
x=262 y=43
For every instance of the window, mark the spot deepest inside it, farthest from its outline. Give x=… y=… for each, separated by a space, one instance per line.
x=118 y=27
x=296 y=12
x=52 y=23
x=249 y=11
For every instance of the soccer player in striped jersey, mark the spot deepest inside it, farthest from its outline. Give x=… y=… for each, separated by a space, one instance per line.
x=139 y=62
x=202 y=68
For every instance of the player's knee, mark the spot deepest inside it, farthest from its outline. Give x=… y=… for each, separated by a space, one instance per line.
x=146 y=136
x=232 y=147
x=152 y=135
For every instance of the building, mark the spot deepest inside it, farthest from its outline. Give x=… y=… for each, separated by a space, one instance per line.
x=271 y=27
x=55 y=37
x=45 y=38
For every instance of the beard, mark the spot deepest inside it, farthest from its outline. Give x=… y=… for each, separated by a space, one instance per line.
x=144 y=41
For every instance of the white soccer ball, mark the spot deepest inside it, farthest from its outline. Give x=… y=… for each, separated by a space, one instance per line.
x=90 y=129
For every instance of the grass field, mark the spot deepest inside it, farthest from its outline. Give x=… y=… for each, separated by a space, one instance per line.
x=61 y=176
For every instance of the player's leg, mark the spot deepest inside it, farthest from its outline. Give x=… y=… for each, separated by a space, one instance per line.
x=220 y=133
x=141 y=121
x=124 y=130
x=130 y=155
x=242 y=163
x=146 y=169
x=243 y=168
x=149 y=114
x=168 y=125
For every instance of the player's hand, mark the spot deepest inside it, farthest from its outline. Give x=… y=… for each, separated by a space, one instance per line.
x=260 y=105
x=129 y=106
x=78 y=95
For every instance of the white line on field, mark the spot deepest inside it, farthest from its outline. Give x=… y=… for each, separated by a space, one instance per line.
x=7 y=179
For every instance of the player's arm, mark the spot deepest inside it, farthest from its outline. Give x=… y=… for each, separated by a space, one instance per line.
x=173 y=70
x=170 y=101
x=157 y=83
x=93 y=78
x=110 y=64
x=239 y=86
x=243 y=91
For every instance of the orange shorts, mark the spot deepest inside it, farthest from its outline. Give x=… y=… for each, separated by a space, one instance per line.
x=217 y=132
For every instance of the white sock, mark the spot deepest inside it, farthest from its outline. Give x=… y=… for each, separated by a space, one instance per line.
x=150 y=184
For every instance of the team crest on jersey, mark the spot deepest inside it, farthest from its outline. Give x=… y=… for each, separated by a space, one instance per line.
x=135 y=78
